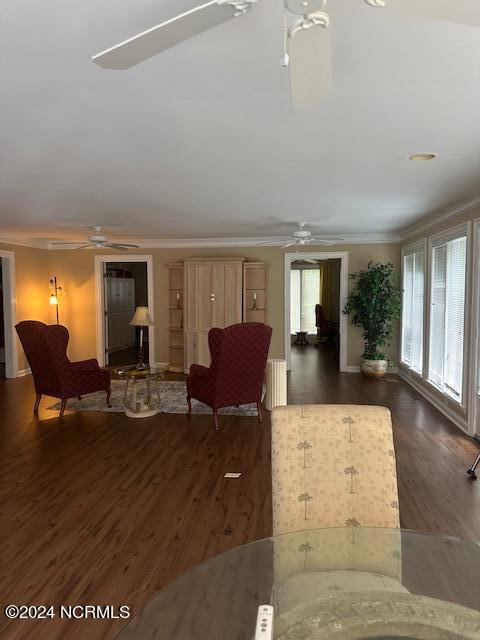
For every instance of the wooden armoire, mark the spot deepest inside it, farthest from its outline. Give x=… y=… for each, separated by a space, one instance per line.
x=217 y=292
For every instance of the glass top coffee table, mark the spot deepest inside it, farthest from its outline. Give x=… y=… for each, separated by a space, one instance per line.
x=351 y=583
x=142 y=389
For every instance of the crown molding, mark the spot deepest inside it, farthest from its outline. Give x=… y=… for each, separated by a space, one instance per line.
x=198 y=243
x=33 y=244
x=469 y=202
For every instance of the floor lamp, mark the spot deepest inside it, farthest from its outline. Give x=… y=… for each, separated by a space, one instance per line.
x=141 y=318
x=54 y=296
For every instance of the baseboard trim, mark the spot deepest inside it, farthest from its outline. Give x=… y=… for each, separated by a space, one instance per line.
x=428 y=395
x=356 y=369
x=24 y=372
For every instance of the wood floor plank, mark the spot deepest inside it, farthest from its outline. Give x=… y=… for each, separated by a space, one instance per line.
x=104 y=509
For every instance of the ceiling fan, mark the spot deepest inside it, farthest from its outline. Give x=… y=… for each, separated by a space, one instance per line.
x=307 y=50
x=99 y=241
x=300 y=237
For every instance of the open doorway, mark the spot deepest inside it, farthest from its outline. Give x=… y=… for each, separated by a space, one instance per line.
x=315 y=293
x=123 y=284
x=2 y=327
x=314 y=311
x=9 y=351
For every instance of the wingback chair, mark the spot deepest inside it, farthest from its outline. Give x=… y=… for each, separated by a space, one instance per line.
x=235 y=376
x=333 y=466
x=53 y=374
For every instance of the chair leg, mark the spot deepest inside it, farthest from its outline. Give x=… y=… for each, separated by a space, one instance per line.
x=215 y=419
x=62 y=408
x=79 y=397
x=259 y=409
x=109 y=391
x=37 y=402
x=189 y=402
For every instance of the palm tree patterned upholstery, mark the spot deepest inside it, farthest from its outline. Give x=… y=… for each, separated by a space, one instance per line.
x=235 y=376
x=54 y=374
x=333 y=466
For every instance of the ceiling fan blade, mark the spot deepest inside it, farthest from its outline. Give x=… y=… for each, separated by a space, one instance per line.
x=115 y=245
x=63 y=244
x=460 y=11
x=165 y=35
x=275 y=243
x=310 y=66
x=327 y=240
x=289 y=244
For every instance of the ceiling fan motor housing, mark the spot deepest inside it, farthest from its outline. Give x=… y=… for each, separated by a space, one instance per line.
x=97 y=239
x=304 y=7
x=302 y=234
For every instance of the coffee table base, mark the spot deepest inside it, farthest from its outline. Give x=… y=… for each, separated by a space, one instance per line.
x=141 y=414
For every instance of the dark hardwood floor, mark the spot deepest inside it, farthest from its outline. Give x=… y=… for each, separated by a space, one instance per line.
x=103 y=509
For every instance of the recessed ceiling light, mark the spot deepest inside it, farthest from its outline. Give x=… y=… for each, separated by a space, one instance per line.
x=422 y=157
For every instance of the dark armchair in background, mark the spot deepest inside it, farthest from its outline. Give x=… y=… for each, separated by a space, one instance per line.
x=53 y=374
x=325 y=329
x=235 y=376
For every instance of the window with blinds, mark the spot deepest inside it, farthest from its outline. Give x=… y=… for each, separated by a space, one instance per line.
x=412 y=309
x=447 y=316
x=304 y=295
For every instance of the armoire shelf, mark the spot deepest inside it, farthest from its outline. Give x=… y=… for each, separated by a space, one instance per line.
x=175 y=329
x=255 y=292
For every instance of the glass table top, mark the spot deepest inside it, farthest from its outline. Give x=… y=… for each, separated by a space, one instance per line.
x=353 y=583
x=132 y=372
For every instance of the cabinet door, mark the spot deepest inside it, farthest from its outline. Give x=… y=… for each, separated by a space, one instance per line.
x=189 y=355
x=114 y=294
x=204 y=294
x=197 y=299
x=130 y=294
x=196 y=349
x=227 y=288
x=202 y=351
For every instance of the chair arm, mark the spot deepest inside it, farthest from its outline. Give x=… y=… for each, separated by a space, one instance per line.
x=200 y=370
x=86 y=365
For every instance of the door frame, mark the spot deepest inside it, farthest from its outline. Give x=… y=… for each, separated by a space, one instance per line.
x=100 y=261
x=10 y=313
x=319 y=255
x=474 y=335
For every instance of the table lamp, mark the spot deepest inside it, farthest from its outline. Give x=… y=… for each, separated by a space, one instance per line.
x=141 y=318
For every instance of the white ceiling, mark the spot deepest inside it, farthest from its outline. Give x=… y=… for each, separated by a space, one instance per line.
x=201 y=140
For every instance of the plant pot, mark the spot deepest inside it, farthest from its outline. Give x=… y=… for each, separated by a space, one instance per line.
x=374 y=368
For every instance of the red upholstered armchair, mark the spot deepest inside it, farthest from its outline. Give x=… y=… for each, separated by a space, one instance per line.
x=53 y=374
x=235 y=376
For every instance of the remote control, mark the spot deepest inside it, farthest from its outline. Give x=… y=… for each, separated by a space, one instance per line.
x=264 y=628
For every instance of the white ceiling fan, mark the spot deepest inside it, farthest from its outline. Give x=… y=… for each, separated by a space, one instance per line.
x=99 y=241
x=300 y=237
x=307 y=50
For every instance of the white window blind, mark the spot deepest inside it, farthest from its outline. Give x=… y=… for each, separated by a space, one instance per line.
x=447 y=317
x=304 y=295
x=412 y=310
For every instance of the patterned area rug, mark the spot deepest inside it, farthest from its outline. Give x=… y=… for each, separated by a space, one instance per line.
x=173 y=399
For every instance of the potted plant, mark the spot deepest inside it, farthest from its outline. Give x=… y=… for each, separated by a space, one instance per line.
x=374 y=304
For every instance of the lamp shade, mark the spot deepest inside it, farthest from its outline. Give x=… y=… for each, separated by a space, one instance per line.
x=53 y=299
x=141 y=318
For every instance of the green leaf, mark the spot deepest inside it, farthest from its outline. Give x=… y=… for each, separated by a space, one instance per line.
x=374 y=304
